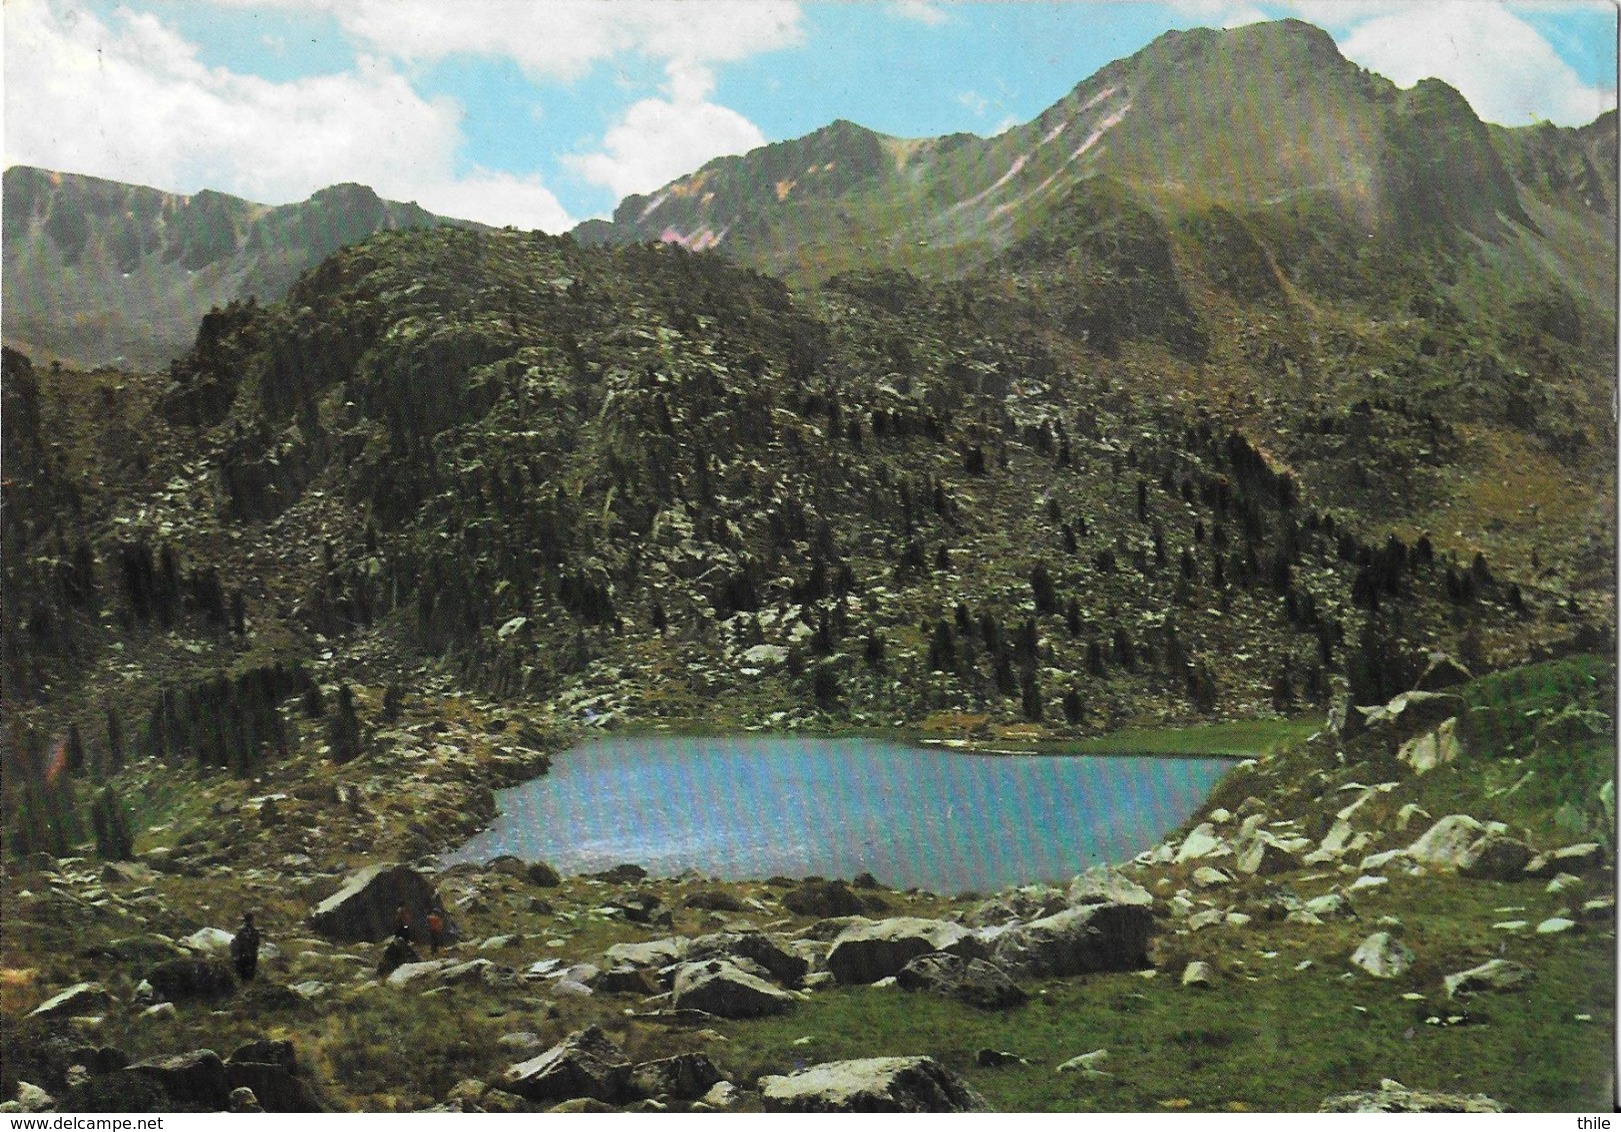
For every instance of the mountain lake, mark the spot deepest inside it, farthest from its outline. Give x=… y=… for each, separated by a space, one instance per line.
x=751 y=807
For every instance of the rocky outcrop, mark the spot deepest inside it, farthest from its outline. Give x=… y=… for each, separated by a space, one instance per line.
x=192 y=1081
x=686 y=1076
x=271 y=1070
x=724 y=989
x=1492 y=975
x=364 y=909
x=584 y=1064
x=1393 y=1096
x=1382 y=955
x=976 y=982
x=192 y=978
x=1095 y=937
x=77 y=999
x=865 y=953
x=1104 y=884
x=1472 y=849
x=876 y=1084
x=757 y=947
x=1431 y=749
x=824 y=899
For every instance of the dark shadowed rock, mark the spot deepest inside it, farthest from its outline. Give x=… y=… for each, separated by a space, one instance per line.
x=542 y=875
x=192 y=978
x=622 y=874
x=686 y=1076
x=713 y=900
x=718 y=987
x=276 y=1086
x=974 y=981
x=584 y=1064
x=865 y=953
x=1495 y=857
x=875 y=1084
x=194 y=1080
x=824 y=899
x=1094 y=937
x=364 y=909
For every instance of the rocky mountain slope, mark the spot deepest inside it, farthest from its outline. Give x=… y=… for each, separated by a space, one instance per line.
x=102 y=273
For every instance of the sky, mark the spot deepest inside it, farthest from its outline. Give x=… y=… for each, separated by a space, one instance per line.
x=543 y=113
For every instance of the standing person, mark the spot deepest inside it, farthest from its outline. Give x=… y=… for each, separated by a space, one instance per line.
x=245 y=949
x=436 y=930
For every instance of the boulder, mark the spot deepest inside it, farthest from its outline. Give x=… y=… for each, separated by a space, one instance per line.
x=1446 y=843
x=1557 y=925
x=1201 y=842
x=1393 y=1096
x=1382 y=955
x=32 y=1098
x=623 y=874
x=824 y=899
x=638 y=907
x=584 y=1064
x=1207 y=876
x=542 y=875
x=719 y=987
x=1077 y=941
x=405 y=974
x=876 y=1084
x=195 y=1080
x=865 y=953
x=209 y=941
x=654 y=953
x=77 y=999
x=973 y=981
x=365 y=908
x=275 y=1083
x=722 y=1096
x=783 y=965
x=1198 y=974
x=713 y=900
x=192 y=978
x=1413 y=710
x=1577 y=860
x=626 y=980
x=1263 y=855
x=686 y=1076
x=1492 y=975
x=1104 y=884
x=1431 y=749
x=1495 y=857
x=1027 y=903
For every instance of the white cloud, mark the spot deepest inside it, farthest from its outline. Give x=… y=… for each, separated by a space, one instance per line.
x=561 y=39
x=1501 y=64
x=657 y=140
x=1219 y=13
x=923 y=11
x=973 y=101
x=129 y=100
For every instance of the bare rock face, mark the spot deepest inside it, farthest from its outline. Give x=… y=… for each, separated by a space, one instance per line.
x=1103 y=884
x=1095 y=937
x=973 y=981
x=364 y=909
x=875 y=1084
x=584 y=1064
x=1495 y=857
x=686 y=1076
x=1446 y=843
x=865 y=953
x=1393 y=1096
x=77 y=999
x=724 y=989
x=195 y=1080
x=1383 y=956
x=782 y=964
x=1492 y=975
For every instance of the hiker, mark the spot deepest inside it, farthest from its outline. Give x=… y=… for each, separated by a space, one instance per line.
x=245 y=949
x=436 y=931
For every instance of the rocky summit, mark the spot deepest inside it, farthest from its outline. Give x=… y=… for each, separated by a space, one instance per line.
x=1274 y=426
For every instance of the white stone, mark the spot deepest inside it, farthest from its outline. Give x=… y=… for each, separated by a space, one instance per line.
x=1555 y=925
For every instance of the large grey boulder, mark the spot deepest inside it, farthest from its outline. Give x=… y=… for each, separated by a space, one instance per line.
x=686 y=1076
x=1492 y=975
x=365 y=908
x=865 y=953
x=976 y=982
x=726 y=990
x=1104 y=884
x=874 y=1084
x=1393 y=1096
x=1202 y=841
x=584 y=1064
x=77 y=999
x=653 y=953
x=1027 y=903
x=757 y=947
x=1576 y=860
x=192 y=978
x=1495 y=857
x=1076 y=941
x=1446 y=843
x=271 y=1070
x=1431 y=749
x=1382 y=955
x=195 y=1080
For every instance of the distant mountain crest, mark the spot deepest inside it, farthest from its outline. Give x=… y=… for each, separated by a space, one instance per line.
x=97 y=271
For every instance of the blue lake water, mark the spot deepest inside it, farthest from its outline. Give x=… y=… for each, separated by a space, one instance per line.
x=753 y=807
